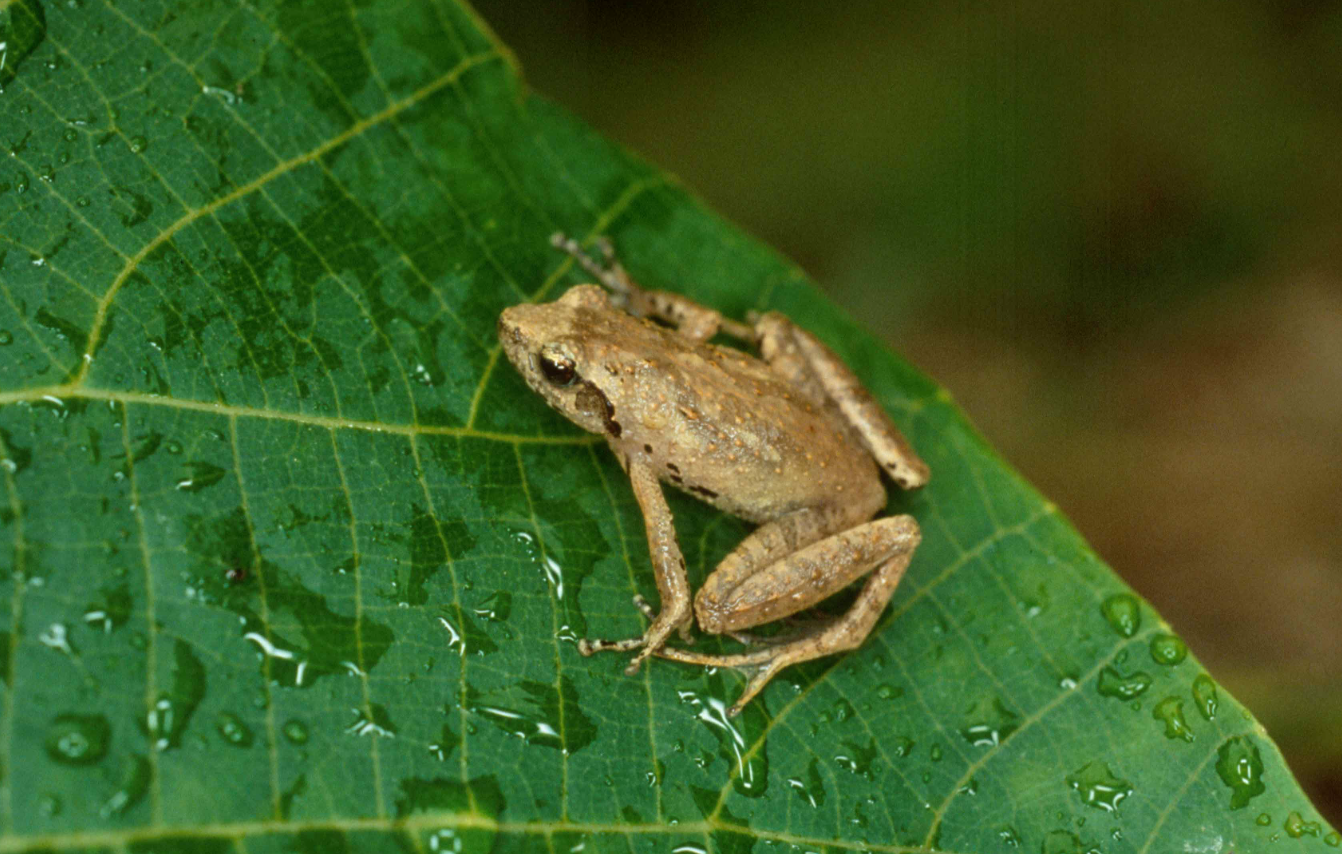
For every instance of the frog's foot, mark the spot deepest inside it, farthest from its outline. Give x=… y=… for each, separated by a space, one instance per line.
x=653 y=638
x=612 y=274
x=826 y=638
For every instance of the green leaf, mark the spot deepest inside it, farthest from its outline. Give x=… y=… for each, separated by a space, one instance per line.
x=293 y=562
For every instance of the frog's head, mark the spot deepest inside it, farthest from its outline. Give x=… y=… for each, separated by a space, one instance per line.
x=550 y=346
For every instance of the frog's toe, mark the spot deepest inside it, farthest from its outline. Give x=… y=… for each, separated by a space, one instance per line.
x=645 y=606
x=591 y=646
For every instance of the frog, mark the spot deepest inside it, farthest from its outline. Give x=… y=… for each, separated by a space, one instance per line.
x=786 y=438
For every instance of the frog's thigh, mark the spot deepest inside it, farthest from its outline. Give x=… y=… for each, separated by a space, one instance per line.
x=799 y=356
x=766 y=545
x=808 y=576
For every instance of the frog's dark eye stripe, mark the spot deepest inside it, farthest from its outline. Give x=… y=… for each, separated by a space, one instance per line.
x=558 y=371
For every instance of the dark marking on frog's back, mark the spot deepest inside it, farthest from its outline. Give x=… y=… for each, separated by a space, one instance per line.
x=704 y=491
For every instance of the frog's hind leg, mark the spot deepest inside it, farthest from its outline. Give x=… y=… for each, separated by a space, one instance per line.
x=889 y=543
x=799 y=356
x=695 y=321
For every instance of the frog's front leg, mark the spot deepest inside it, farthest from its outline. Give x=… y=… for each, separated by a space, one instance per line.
x=668 y=565
x=694 y=321
x=750 y=598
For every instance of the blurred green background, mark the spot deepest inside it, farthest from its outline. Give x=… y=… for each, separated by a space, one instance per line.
x=1112 y=230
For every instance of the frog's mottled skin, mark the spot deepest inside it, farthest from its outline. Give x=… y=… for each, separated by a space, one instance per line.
x=790 y=441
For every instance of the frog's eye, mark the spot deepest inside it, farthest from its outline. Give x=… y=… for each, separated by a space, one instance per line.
x=558 y=370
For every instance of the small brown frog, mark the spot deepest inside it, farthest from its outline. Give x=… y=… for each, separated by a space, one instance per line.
x=790 y=441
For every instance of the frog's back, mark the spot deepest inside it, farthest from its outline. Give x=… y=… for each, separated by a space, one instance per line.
x=725 y=427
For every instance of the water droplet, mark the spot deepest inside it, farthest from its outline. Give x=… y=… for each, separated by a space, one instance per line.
x=1168 y=650
x=540 y=726
x=1098 y=786
x=1263 y=819
x=1009 y=836
x=1204 y=696
x=1334 y=839
x=111 y=611
x=812 y=789
x=991 y=723
x=23 y=25
x=138 y=144
x=49 y=805
x=739 y=738
x=935 y=753
x=218 y=92
x=1171 y=711
x=858 y=759
x=373 y=720
x=1061 y=842
x=232 y=730
x=1121 y=686
x=200 y=475
x=135 y=776
x=1122 y=613
x=1241 y=768
x=1296 y=826
x=173 y=446
x=56 y=637
x=887 y=691
x=166 y=719
x=6 y=337
x=901 y=746
x=843 y=710
x=78 y=739
x=295 y=731
x=496 y=607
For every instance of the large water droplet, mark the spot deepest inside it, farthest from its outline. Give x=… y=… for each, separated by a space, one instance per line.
x=1122 y=686
x=738 y=739
x=1122 y=613
x=166 y=719
x=540 y=725
x=1009 y=836
x=23 y=25
x=1168 y=650
x=1334 y=839
x=1241 y=768
x=1204 y=696
x=78 y=739
x=1171 y=711
x=1098 y=786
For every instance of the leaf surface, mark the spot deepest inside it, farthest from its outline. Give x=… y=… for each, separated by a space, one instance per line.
x=295 y=562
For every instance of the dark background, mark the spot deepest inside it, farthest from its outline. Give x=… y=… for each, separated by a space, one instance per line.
x=1112 y=231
